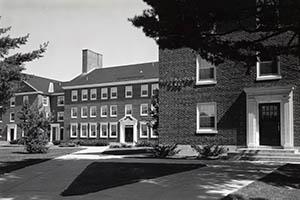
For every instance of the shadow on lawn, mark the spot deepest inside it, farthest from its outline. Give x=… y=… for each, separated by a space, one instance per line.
x=15 y=165
x=103 y=175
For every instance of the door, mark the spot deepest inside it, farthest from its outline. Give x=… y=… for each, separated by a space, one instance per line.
x=12 y=133
x=269 y=124
x=129 y=134
x=55 y=135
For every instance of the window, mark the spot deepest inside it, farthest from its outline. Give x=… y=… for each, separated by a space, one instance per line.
x=154 y=133
x=83 y=130
x=104 y=93
x=113 y=92
x=74 y=130
x=267 y=68
x=113 y=110
x=1 y=114
x=25 y=100
x=45 y=101
x=128 y=91
x=144 y=90
x=74 y=112
x=60 y=116
x=93 y=111
x=12 y=117
x=206 y=118
x=84 y=95
x=144 y=109
x=93 y=94
x=154 y=88
x=144 y=130
x=74 y=95
x=93 y=130
x=84 y=112
x=113 y=129
x=103 y=130
x=13 y=102
x=103 y=111
x=206 y=72
x=128 y=109
x=60 y=100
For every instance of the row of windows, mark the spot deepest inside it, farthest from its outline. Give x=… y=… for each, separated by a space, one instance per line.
x=106 y=130
x=45 y=101
x=113 y=92
x=266 y=68
x=113 y=111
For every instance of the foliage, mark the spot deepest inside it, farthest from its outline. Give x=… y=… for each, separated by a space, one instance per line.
x=144 y=143
x=56 y=142
x=154 y=112
x=85 y=142
x=209 y=150
x=67 y=144
x=11 y=66
x=224 y=30
x=164 y=150
x=20 y=141
x=35 y=124
x=115 y=145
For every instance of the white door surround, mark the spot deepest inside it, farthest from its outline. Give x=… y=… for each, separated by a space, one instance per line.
x=57 y=132
x=128 y=121
x=280 y=94
x=9 y=127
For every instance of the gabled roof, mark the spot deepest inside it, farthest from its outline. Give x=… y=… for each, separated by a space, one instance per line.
x=108 y=75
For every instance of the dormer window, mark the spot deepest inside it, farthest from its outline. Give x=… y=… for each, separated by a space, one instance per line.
x=206 y=72
x=267 y=68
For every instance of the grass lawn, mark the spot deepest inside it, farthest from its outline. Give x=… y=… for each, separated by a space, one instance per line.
x=16 y=157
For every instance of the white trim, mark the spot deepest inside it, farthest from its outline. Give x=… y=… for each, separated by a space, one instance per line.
x=57 y=134
x=141 y=109
x=25 y=98
x=87 y=130
x=9 y=127
x=74 y=117
x=10 y=120
x=81 y=112
x=145 y=95
x=84 y=92
x=90 y=134
x=58 y=97
x=28 y=93
x=128 y=121
x=111 y=92
x=103 y=92
x=75 y=94
x=45 y=103
x=110 y=129
x=268 y=77
x=58 y=93
x=205 y=81
x=154 y=86
x=93 y=116
x=58 y=113
x=127 y=89
x=101 y=133
x=91 y=93
x=71 y=130
x=110 y=111
x=144 y=123
x=151 y=133
x=206 y=130
x=10 y=101
x=101 y=115
x=126 y=108
x=112 y=83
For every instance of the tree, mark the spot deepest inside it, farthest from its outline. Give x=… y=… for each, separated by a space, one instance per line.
x=11 y=66
x=154 y=112
x=35 y=124
x=224 y=30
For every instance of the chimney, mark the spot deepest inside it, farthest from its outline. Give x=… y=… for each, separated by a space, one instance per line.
x=90 y=60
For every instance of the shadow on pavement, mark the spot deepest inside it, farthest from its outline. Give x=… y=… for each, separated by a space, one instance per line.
x=103 y=175
x=7 y=167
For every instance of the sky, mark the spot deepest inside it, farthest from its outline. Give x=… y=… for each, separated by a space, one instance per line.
x=73 y=25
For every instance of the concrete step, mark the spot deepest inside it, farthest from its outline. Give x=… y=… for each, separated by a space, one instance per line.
x=245 y=150
x=280 y=154
x=271 y=159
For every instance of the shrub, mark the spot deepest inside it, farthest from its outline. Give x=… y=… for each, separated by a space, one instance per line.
x=13 y=142
x=209 y=150
x=67 y=144
x=163 y=151
x=20 y=141
x=115 y=145
x=144 y=144
x=37 y=144
x=56 y=142
x=90 y=142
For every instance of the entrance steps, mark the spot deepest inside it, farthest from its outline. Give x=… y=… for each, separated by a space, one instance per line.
x=265 y=154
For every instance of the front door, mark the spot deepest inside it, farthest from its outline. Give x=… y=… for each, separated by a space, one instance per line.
x=269 y=124
x=129 y=134
x=12 y=134
x=55 y=134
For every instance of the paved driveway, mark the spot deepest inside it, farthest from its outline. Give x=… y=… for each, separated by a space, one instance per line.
x=88 y=175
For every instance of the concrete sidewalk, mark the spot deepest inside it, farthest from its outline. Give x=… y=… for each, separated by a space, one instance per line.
x=80 y=174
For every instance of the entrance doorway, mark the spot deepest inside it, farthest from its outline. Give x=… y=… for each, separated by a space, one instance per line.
x=129 y=134
x=55 y=133
x=269 y=124
x=11 y=132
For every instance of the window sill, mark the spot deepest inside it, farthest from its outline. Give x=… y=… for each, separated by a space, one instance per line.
x=60 y=104
x=113 y=116
x=207 y=82
x=93 y=116
x=113 y=136
x=84 y=117
x=144 y=136
x=207 y=131
x=93 y=136
x=83 y=136
x=268 y=77
x=144 y=115
x=103 y=116
x=103 y=136
x=73 y=136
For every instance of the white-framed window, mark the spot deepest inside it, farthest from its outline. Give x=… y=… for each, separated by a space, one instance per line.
x=113 y=110
x=104 y=130
x=128 y=91
x=207 y=117
x=60 y=100
x=93 y=130
x=144 y=109
x=144 y=130
x=12 y=117
x=74 y=95
x=103 y=110
x=93 y=111
x=128 y=109
x=60 y=116
x=113 y=129
x=12 y=101
x=84 y=112
x=154 y=87
x=144 y=90
x=104 y=94
x=84 y=95
x=206 y=72
x=25 y=100
x=74 y=112
x=113 y=92
x=84 y=130
x=153 y=133
x=267 y=68
x=74 y=130
x=93 y=93
x=45 y=101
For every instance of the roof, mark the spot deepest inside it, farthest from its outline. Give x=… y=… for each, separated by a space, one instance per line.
x=108 y=75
